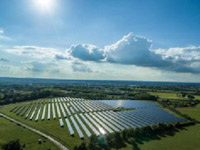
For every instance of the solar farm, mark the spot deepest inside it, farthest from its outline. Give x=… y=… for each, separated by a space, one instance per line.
x=82 y=118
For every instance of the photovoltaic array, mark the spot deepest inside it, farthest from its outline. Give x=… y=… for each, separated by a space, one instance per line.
x=88 y=117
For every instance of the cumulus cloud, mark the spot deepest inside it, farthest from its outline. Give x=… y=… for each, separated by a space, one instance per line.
x=86 y=52
x=130 y=50
x=34 y=51
x=137 y=50
x=187 y=54
x=186 y=59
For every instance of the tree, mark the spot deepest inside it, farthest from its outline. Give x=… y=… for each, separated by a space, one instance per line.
x=12 y=145
x=81 y=147
x=119 y=142
x=190 y=97
x=145 y=96
x=93 y=143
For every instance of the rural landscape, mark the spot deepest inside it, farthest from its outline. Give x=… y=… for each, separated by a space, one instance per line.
x=99 y=75
x=100 y=114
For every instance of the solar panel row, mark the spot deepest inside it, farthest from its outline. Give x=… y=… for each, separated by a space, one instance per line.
x=77 y=127
x=44 y=112
x=95 y=116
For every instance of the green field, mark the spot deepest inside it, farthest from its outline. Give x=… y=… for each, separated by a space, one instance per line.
x=11 y=131
x=171 y=95
x=51 y=127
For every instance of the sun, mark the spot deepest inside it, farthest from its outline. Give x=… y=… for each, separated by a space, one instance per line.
x=45 y=6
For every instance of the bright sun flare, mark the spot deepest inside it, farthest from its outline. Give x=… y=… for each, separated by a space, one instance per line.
x=45 y=6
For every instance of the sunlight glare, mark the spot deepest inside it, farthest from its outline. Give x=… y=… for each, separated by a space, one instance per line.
x=45 y=6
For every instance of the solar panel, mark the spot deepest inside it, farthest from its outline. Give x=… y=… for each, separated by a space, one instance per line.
x=77 y=128
x=49 y=111
x=21 y=110
x=53 y=108
x=110 y=123
x=38 y=114
x=71 y=131
x=25 y=110
x=33 y=113
x=58 y=110
x=17 y=109
x=129 y=103
x=29 y=111
x=72 y=110
x=101 y=123
x=78 y=106
x=83 y=107
x=90 y=125
x=13 y=109
x=119 y=124
x=87 y=108
x=101 y=130
x=83 y=126
x=61 y=122
x=44 y=111
x=66 y=108
x=72 y=104
x=63 y=111
x=107 y=122
x=126 y=122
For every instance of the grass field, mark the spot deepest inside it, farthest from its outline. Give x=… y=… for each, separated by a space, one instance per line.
x=11 y=131
x=171 y=95
x=51 y=127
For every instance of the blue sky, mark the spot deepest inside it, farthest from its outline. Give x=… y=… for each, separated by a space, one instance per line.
x=102 y=39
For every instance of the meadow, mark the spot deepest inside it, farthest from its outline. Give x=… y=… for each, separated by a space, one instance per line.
x=171 y=95
x=11 y=131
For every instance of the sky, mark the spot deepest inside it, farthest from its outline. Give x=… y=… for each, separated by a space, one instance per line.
x=154 y=40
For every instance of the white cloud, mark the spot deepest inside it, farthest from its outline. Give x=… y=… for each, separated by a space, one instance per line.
x=186 y=54
x=3 y=37
x=132 y=50
x=86 y=52
x=132 y=57
x=137 y=50
x=1 y=31
x=34 y=51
